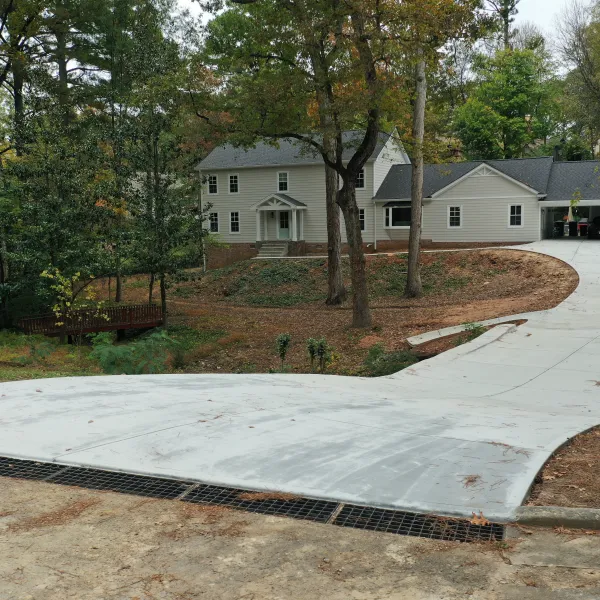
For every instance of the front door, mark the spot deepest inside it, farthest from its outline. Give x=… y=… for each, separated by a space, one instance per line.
x=284 y=225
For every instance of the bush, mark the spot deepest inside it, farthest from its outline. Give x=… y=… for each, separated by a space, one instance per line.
x=319 y=352
x=282 y=344
x=379 y=363
x=146 y=356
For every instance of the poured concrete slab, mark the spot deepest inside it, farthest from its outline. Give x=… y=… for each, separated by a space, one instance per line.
x=464 y=432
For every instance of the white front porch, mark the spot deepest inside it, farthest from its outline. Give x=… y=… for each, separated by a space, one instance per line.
x=280 y=218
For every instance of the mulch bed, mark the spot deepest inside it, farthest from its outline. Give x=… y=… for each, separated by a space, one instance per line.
x=571 y=477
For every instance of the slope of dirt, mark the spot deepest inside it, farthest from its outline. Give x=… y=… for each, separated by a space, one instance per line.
x=252 y=302
x=570 y=478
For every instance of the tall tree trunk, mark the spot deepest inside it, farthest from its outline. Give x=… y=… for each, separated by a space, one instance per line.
x=163 y=298
x=18 y=73
x=414 y=286
x=63 y=81
x=4 y=317
x=150 y=288
x=507 y=32
x=361 y=313
x=336 y=291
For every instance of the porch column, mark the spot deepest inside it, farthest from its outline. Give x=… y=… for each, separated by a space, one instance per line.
x=302 y=225
x=294 y=226
x=265 y=224
x=258 y=236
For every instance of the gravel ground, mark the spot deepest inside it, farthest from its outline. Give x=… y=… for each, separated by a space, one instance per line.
x=60 y=543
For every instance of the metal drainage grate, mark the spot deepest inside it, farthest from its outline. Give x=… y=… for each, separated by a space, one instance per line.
x=27 y=469
x=264 y=503
x=138 y=485
x=417 y=525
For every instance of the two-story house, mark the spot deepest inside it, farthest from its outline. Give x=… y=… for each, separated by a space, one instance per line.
x=275 y=195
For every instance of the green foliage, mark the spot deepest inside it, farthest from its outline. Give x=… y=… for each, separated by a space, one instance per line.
x=511 y=106
x=145 y=356
x=320 y=353
x=379 y=363
x=282 y=345
x=472 y=332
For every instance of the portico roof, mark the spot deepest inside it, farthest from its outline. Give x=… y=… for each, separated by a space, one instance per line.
x=279 y=201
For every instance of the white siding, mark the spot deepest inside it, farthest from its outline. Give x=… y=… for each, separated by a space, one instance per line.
x=306 y=184
x=391 y=154
x=485 y=202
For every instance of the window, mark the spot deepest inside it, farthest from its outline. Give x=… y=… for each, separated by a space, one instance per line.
x=234 y=184
x=454 y=217
x=361 y=216
x=360 y=180
x=398 y=216
x=282 y=182
x=213 y=184
x=213 y=219
x=234 y=222
x=515 y=215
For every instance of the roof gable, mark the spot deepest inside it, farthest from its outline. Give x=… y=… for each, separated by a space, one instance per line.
x=531 y=173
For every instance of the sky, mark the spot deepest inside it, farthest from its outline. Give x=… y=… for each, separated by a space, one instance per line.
x=541 y=12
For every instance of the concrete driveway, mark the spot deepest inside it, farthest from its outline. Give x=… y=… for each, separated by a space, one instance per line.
x=464 y=432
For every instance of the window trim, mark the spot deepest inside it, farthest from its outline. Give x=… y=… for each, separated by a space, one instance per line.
x=210 y=231
x=216 y=183
x=510 y=226
x=239 y=221
x=287 y=173
x=229 y=176
x=460 y=207
x=363 y=221
x=385 y=218
x=364 y=180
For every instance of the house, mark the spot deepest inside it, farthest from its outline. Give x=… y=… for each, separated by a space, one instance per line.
x=275 y=195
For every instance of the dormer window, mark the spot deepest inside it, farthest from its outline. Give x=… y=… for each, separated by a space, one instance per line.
x=283 y=181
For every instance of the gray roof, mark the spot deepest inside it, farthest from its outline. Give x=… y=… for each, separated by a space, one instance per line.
x=569 y=177
x=285 y=152
x=543 y=175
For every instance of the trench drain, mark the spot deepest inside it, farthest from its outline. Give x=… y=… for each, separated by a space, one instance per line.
x=267 y=503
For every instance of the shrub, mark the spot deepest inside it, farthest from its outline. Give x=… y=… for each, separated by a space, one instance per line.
x=146 y=356
x=379 y=363
x=320 y=352
x=282 y=344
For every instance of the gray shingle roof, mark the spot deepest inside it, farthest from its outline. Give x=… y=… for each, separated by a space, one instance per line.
x=286 y=152
x=533 y=172
x=568 y=177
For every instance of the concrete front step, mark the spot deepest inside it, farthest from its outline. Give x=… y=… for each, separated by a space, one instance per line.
x=273 y=250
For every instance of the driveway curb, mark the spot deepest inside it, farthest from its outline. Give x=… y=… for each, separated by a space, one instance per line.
x=557 y=516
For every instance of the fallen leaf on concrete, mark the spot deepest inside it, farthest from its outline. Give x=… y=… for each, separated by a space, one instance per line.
x=471 y=480
x=38 y=390
x=479 y=519
x=90 y=421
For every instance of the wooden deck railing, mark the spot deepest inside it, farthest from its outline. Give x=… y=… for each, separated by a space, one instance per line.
x=139 y=316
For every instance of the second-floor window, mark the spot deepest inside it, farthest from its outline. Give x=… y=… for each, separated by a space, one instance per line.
x=234 y=184
x=360 y=180
x=213 y=184
x=282 y=182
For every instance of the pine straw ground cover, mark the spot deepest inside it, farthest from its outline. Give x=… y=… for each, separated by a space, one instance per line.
x=252 y=302
x=570 y=478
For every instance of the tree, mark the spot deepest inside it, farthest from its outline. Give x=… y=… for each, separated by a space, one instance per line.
x=510 y=108
x=506 y=11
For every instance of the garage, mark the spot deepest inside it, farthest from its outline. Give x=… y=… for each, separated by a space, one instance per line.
x=561 y=220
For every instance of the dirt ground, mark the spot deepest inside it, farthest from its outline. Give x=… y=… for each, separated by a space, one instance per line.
x=473 y=286
x=571 y=478
x=60 y=543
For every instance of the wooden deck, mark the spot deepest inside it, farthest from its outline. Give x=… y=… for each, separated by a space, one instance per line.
x=138 y=316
